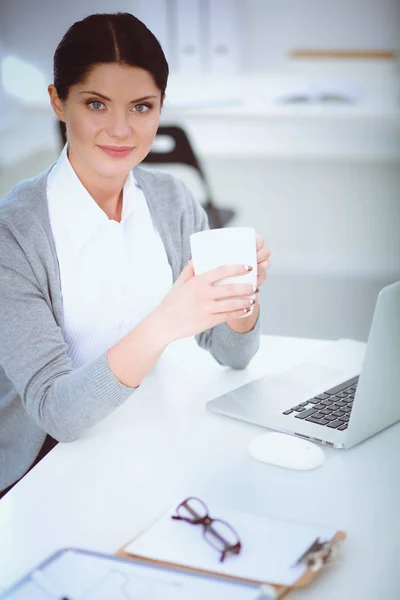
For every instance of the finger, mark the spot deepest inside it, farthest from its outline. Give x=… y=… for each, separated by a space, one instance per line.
x=231 y=316
x=225 y=271
x=263 y=254
x=229 y=290
x=262 y=272
x=186 y=273
x=263 y=266
x=232 y=305
x=259 y=241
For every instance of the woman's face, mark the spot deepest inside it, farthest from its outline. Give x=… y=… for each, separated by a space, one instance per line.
x=111 y=119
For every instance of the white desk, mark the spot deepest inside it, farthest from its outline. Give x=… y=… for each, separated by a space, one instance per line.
x=163 y=445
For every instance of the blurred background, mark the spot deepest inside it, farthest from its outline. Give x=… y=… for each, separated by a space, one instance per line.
x=292 y=108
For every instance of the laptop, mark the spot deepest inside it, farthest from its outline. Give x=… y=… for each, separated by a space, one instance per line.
x=341 y=398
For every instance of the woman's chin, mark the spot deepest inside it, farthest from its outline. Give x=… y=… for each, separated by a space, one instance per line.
x=107 y=168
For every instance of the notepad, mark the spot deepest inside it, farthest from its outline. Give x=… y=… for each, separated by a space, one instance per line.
x=270 y=547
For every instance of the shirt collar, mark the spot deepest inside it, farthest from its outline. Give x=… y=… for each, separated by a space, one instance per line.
x=82 y=216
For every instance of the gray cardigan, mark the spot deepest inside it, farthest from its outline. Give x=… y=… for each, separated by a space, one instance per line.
x=40 y=392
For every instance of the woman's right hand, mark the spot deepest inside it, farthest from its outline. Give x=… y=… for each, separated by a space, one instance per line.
x=195 y=304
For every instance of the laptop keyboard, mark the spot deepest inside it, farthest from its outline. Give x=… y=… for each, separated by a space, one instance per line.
x=331 y=408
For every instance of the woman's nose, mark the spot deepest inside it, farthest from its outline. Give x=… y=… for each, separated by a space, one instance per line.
x=119 y=125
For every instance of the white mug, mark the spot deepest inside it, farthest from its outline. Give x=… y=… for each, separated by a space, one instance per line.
x=219 y=247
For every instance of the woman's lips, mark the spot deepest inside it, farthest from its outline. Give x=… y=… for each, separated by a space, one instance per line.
x=117 y=151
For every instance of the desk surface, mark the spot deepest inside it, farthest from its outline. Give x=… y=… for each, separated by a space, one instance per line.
x=163 y=445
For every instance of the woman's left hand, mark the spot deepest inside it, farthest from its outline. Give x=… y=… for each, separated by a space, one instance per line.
x=245 y=324
x=263 y=264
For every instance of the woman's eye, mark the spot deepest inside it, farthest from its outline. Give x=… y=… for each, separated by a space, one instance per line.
x=95 y=104
x=141 y=108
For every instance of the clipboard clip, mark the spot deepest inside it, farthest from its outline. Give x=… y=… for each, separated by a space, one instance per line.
x=319 y=554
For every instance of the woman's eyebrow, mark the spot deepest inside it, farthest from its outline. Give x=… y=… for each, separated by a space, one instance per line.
x=109 y=99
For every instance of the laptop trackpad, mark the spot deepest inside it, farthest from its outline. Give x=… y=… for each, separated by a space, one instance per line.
x=275 y=393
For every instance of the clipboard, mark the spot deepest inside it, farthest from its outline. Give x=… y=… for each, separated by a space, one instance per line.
x=315 y=558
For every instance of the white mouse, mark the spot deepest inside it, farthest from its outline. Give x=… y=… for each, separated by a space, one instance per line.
x=286 y=451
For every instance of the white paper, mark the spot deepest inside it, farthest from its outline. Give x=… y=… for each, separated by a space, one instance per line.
x=270 y=547
x=87 y=577
x=319 y=91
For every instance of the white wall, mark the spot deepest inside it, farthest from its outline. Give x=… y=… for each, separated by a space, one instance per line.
x=326 y=217
x=33 y=29
x=333 y=229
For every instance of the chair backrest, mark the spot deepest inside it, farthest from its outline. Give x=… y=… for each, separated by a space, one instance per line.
x=181 y=152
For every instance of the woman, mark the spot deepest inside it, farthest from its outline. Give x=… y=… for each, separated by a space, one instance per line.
x=94 y=272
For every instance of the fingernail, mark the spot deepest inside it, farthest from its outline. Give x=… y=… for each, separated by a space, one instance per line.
x=252 y=301
x=247 y=310
x=255 y=289
x=248 y=267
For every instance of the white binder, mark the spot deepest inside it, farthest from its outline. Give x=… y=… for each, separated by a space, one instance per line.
x=224 y=37
x=190 y=51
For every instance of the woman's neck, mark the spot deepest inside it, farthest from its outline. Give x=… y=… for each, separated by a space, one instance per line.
x=106 y=192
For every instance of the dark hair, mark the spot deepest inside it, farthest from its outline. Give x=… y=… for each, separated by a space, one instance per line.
x=107 y=38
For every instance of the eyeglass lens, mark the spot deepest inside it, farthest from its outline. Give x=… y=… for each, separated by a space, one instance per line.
x=216 y=532
x=220 y=535
x=192 y=509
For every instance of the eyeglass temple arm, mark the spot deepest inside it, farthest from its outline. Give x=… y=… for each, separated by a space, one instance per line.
x=233 y=549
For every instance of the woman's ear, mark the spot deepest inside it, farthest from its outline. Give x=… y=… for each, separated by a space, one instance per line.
x=55 y=102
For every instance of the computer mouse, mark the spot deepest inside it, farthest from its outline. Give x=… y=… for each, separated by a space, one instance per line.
x=286 y=451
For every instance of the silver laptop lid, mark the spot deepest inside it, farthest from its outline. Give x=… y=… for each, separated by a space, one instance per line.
x=377 y=401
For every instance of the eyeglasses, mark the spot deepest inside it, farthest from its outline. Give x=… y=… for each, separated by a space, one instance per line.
x=219 y=534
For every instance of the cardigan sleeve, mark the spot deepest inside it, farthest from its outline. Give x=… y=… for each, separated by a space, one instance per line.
x=228 y=347
x=33 y=354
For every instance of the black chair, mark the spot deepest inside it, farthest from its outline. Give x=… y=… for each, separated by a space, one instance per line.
x=182 y=153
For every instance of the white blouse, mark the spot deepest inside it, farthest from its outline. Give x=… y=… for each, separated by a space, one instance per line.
x=112 y=274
